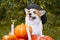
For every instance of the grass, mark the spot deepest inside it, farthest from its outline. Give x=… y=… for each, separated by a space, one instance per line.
x=54 y=32
x=51 y=31
x=4 y=30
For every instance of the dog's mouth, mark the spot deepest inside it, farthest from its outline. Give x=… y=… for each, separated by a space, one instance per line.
x=32 y=18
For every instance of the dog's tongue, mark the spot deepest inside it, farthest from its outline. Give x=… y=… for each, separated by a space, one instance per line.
x=30 y=18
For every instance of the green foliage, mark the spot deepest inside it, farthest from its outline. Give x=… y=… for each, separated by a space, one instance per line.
x=13 y=9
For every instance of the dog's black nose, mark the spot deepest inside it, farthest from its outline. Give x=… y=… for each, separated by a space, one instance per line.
x=29 y=13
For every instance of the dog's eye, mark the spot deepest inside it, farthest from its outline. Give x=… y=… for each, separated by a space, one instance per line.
x=34 y=11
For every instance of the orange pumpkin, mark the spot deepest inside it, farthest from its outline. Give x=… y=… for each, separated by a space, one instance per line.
x=5 y=37
x=46 y=38
x=34 y=37
x=12 y=37
x=20 y=30
x=20 y=39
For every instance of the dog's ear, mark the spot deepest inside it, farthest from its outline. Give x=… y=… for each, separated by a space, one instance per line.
x=26 y=10
x=42 y=12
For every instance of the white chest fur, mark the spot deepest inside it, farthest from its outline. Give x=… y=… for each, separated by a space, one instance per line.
x=36 y=26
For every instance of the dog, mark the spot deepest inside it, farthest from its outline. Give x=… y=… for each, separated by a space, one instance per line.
x=33 y=18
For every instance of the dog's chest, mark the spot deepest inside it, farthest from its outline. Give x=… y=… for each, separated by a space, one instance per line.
x=36 y=27
x=34 y=24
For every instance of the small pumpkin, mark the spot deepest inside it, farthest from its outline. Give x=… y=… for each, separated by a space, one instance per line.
x=20 y=30
x=5 y=37
x=12 y=37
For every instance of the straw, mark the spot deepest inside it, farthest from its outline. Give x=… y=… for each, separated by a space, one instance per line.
x=12 y=28
x=28 y=32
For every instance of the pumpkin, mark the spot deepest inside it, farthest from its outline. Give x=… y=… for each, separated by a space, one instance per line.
x=5 y=37
x=20 y=30
x=46 y=38
x=34 y=37
x=20 y=38
x=12 y=37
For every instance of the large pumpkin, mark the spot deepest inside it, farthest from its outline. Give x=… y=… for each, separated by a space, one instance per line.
x=5 y=37
x=46 y=38
x=20 y=30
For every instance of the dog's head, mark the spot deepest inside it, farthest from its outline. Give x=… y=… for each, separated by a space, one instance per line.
x=33 y=12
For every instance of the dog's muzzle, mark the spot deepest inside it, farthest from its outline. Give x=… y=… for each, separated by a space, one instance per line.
x=30 y=17
x=30 y=14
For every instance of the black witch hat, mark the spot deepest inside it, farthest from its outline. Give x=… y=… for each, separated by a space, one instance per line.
x=34 y=6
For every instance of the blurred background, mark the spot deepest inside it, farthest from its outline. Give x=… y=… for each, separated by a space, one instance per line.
x=14 y=10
